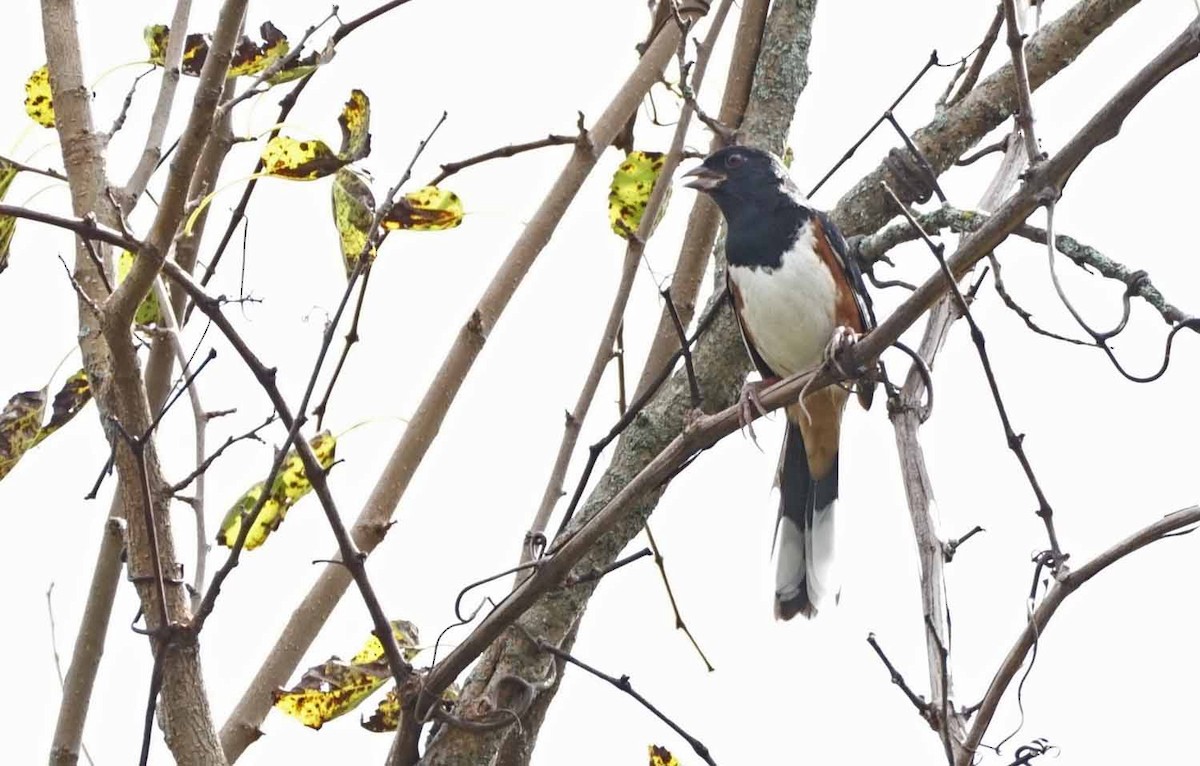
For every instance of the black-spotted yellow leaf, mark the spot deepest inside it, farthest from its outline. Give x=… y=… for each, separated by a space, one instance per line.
x=660 y=756
x=630 y=190
x=406 y=638
x=353 y=214
x=335 y=687
x=291 y=484
x=39 y=102
x=307 y=160
x=426 y=209
x=328 y=691
x=788 y=157
x=387 y=713
x=8 y=223
x=147 y=310
x=250 y=58
x=20 y=422
x=74 y=395
x=355 y=120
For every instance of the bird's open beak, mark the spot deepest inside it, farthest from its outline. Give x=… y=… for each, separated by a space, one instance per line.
x=704 y=179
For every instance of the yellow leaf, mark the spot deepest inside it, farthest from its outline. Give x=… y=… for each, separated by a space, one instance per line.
x=328 y=691
x=19 y=424
x=406 y=636
x=291 y=158
x=8 y=223
x=39 y=102
x=335 y=687
x=147 y=310
x=355 y=120
x=267 y=520
x=291 y=484
x=788 y=157
x=630 y=190
x=195 y=51
x=250 y=58
x=660 y=756
x=353 y=214
x=426 y=209
x=75 y=393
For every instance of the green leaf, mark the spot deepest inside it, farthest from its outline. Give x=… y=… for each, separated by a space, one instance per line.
x=353 y=214
x=20 y=422
x=629 y=192
x=426 y=209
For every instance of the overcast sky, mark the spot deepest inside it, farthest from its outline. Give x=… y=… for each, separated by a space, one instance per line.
x=1115 y=676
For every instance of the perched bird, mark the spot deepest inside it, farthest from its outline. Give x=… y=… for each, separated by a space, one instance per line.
x=799 y=300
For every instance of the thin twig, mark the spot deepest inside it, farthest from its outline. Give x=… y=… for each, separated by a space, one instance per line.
x=679 y=623
x=597 y=574
x=86 y=227
x=624 y=685
x=351 y=338
x=450 y=168
x=23 y=168
x=182 y=484
x=917 y=700
x=685 y=349
x=929 y=64
x=981 y=54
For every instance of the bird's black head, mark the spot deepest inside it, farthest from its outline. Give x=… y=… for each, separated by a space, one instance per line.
x=744 y=181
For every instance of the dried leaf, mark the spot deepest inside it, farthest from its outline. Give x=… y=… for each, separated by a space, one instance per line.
x=297 y=160
x=426 y=209
x=291 y=484
x=335 y=688
x=19 y=425
x=355 y=120
x=630 y=191
x=147 y=310
x=660 y=756
x=353 y=214
x=39 y=102
x=249 y=57
x=74 y=395
x=387 y=713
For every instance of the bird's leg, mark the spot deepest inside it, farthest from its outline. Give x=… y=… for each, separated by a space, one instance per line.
x=750 y=405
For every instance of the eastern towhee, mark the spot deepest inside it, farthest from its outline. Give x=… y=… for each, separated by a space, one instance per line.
x=799 y=299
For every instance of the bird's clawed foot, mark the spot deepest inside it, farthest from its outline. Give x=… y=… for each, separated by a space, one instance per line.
x=840 y=342
x=750 y=406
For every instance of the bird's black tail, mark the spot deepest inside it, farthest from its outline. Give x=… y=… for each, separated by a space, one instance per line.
x=804 y=533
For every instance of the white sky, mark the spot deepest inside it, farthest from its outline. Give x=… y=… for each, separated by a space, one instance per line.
x=1115 y=673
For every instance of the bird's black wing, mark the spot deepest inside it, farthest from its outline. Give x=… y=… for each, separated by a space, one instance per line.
x=862 y=298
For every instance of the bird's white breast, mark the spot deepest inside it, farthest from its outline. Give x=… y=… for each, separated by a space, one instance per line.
x=788 y=311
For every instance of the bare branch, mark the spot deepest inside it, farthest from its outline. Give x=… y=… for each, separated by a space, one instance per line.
x=1064 y=586
x=512 y=150
x=981 y=54
x=1016 y=43
x=86 y=227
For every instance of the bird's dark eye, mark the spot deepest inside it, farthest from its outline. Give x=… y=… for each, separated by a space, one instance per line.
x=734 y=161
